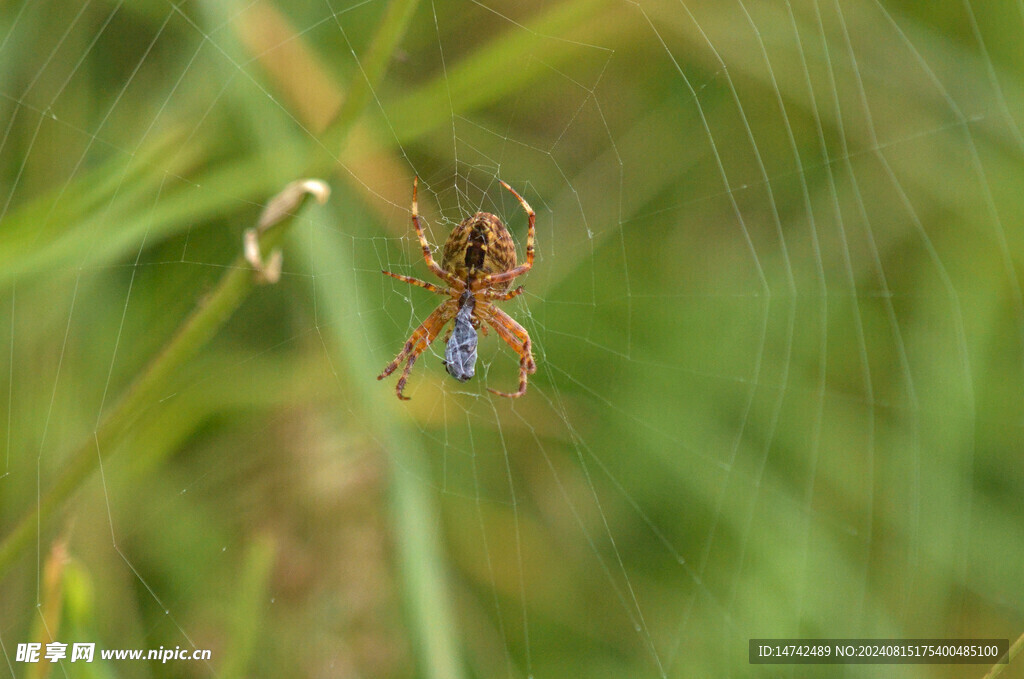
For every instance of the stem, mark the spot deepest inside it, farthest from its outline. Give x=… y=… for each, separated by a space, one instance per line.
x=211 y=313
x=416 y=519
x=998 y=668
x=421 y=566
x=373 y=65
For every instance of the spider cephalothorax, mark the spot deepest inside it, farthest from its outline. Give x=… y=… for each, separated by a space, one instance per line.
x=478 y=263
x=479 y=246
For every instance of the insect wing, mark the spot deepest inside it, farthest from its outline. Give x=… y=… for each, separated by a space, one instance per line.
x=460 y=353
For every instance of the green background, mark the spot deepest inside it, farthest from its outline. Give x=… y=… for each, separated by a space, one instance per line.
x=776 y=310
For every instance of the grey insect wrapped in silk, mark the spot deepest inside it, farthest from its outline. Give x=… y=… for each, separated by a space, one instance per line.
x=460 y=352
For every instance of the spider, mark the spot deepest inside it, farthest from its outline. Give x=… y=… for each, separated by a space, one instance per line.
x=478 y=263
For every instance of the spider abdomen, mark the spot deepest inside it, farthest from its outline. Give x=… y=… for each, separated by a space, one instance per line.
x=478 y=246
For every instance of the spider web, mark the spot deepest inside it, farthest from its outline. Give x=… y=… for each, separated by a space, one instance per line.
x=776 y=312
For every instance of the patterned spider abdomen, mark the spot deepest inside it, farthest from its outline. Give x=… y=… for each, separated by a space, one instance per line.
x=460 y=352
x=479 y=246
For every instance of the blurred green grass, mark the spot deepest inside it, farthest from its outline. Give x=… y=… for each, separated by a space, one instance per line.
x=789 y=406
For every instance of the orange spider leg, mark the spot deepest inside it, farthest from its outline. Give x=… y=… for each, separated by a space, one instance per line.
x=502 y=296
x=418 y=342
x=423 y=284
x=504 y=276
x=516 y=337
x=429 y=258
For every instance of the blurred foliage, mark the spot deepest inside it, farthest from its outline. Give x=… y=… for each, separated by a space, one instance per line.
x=777 y=313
